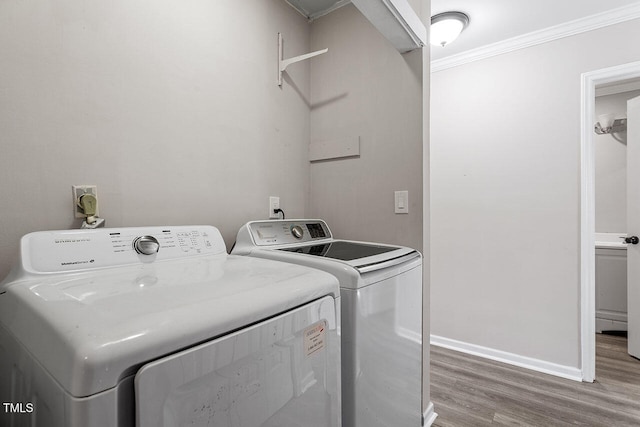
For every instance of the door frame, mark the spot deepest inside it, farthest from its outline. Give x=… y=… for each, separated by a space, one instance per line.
x=587 y=208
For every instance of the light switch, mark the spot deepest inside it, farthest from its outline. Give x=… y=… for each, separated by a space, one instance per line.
x=402 y=202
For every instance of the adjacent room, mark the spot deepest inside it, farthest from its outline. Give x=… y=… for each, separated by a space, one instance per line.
x=525 y=173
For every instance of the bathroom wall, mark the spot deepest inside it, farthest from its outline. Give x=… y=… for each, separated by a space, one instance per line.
x=171 y=108
x=505 y=196
x=611 y=167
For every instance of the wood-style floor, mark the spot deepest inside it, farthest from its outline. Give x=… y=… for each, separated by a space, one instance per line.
x=475 y=392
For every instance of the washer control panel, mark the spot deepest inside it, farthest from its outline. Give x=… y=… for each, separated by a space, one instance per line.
x=71 y=250
x=146 y=245
x=297 y=232
x=283 y=232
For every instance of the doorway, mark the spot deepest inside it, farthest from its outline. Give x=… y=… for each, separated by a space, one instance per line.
x=610 y=151
x=590 y=82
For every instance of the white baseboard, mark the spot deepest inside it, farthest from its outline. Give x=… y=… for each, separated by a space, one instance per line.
x=429 y=416
x=563 y=371
x=610 y=325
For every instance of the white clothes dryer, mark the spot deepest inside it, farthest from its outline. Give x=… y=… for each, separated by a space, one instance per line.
x=381 y=303
x=158 y=326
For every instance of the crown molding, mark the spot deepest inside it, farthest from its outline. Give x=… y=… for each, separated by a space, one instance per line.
x=571 y=28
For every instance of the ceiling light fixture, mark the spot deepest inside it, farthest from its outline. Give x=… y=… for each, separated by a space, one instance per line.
x=447 y=26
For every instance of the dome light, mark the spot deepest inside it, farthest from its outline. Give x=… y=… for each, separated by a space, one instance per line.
x=447 y=26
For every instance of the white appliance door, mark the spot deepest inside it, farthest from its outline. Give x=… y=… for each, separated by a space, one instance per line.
x=633 y=224
x=382 y=352
x=284 y=371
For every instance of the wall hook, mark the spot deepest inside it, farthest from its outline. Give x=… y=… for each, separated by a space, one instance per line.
x=284 y=63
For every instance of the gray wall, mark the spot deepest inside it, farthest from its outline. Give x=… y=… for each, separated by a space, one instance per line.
x=364 y=88
x=611 y=167
x=171 y=108
x=173 y=111
x=505 y=194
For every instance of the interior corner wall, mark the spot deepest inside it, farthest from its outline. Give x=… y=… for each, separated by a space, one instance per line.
x=505 y=195
x=171 y=108
x=364 y=88
x=425 y=14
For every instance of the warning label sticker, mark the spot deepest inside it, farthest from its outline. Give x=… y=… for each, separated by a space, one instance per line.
x=314 y=338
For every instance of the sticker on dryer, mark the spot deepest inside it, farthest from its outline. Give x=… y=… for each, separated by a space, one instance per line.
x=315 y=338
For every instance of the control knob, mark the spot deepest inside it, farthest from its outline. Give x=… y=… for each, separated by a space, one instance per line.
x=146 y=245
x=297 y=231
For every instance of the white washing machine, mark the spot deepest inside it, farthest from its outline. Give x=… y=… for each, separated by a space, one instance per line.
x=158 y=326
x=381 y=303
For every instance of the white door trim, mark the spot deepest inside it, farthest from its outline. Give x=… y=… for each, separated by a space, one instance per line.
x=587 y=208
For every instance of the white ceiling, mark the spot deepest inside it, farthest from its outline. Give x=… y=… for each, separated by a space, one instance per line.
x=497 y=20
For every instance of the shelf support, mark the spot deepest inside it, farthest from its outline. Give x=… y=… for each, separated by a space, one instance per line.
x=284 y=63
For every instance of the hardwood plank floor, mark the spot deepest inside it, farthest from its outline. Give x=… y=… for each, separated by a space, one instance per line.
x=471 y=391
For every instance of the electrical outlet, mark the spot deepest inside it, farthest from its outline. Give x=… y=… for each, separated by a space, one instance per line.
x=274 y=203
x=77 y=192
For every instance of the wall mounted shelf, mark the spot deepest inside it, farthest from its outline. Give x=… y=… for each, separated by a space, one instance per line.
x=284 y=63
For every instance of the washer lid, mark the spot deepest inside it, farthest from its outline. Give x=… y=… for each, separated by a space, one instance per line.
x=89 y=329
x=342 y=250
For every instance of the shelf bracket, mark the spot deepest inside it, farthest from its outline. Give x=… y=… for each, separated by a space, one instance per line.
x=284 y=63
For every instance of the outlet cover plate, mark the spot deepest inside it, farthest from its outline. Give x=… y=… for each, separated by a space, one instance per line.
x=274 y=203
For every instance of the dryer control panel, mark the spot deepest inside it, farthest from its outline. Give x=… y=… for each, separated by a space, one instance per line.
x=284 y=232
x=74 y=250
